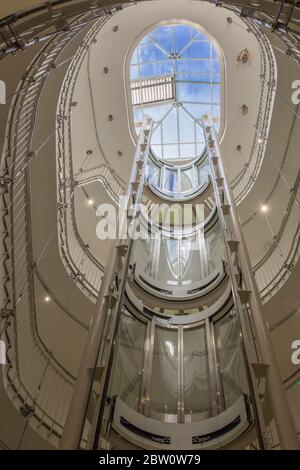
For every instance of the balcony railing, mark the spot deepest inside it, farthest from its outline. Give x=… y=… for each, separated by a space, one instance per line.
x=26 y=380
x=31 y=366
x=153 y=91
x=272 y=271
x=33 y=374
x=243 y=182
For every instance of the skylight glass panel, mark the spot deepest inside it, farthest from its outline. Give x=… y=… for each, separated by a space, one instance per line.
x=175 y=78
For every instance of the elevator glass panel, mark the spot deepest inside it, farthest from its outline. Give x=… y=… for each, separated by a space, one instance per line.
x=214 y=247
x=231 y=358
x=193 y=260
x=142 y=255
x=196 y=374
x=168 y=265
x=152 y=173
x=128 y=362
x=164 y=378
x=171 y=180
x=187 y=179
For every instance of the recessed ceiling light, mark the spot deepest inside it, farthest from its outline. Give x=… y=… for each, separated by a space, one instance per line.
x=47 y=298
x=264 y=208
x=90 y=202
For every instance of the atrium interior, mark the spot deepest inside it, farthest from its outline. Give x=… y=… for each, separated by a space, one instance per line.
x=150 y=225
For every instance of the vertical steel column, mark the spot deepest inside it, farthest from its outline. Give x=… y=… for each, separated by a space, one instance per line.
x=196 y=180
x=117 y=267
x=87 y=371
x=214 y=380
x=135 y=191
x=147 y=370
x=216 y=377
x=162 y=177
x=155 y=253
x=179 y=256
x=249 y=294
x=217 y=183
x=202 y=253
x=180 y=390
x=141 y=400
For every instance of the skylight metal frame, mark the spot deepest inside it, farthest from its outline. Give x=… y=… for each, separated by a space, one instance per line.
x=208 y=84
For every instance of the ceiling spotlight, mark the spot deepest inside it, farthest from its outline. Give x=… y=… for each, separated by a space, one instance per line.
x=47 y=298
x=264 y=208
x=90 y=202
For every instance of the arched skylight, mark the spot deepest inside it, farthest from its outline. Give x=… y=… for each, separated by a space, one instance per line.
x=175 y=78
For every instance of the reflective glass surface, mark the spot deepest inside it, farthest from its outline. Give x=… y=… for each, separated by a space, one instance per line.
x=164 y=378
x=196 y=374
x=180 y=260
x=231 y=358
x=128 y=360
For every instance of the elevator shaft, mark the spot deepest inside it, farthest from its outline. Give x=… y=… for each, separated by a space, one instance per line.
x=162 y=372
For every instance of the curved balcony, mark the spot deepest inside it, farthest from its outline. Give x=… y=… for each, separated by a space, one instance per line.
x=23 y=376
x=19 y=269
x=244 y=181
x=275 y=267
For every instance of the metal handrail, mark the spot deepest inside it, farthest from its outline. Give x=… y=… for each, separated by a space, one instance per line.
x=244 y=181
x=242 y=184
x=34 y=370
x=27 y=372
x=106 y=175
x=82 y=266
x=272 y=271
x=14 y=184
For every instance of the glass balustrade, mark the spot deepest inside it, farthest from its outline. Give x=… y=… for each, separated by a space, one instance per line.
x=128 y=363
x=164 y=374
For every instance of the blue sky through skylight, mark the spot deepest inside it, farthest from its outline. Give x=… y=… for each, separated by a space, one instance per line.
x=187 y=57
